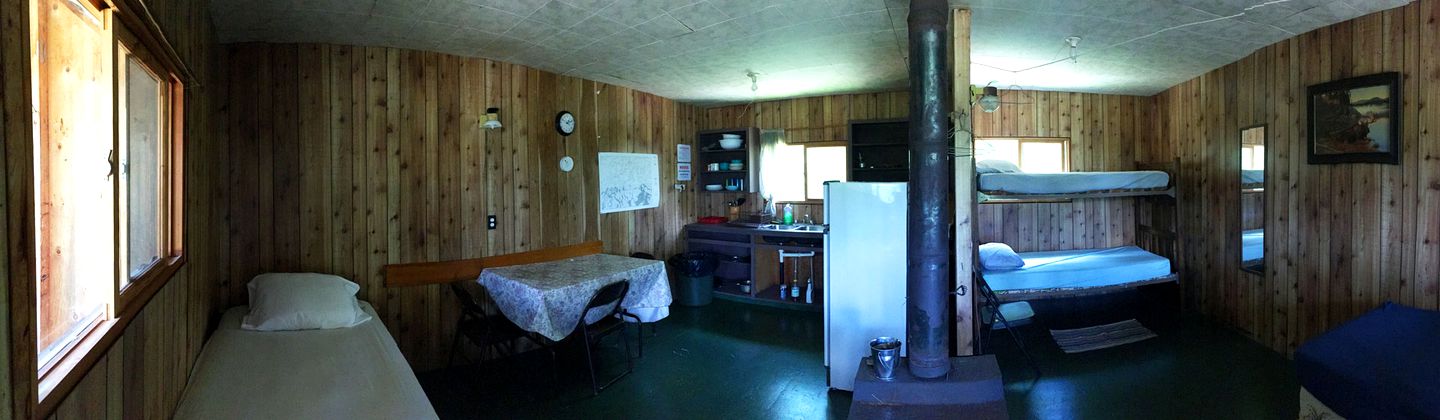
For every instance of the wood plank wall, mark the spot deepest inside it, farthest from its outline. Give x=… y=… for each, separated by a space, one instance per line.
x=1341 y=238
x=805 y=120
x=1103 y=132
x=144 y=373
x=343 y=159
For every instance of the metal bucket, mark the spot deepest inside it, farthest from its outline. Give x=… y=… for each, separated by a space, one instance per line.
x=884 y=353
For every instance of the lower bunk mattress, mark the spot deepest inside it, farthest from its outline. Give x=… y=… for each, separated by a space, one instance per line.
x=1380 y=365
x=1077 y=270
x=344 y=373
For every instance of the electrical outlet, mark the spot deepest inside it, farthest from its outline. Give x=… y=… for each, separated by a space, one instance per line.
x=490 y=222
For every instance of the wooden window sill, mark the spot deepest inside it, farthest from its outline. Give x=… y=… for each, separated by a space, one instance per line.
x=56 y=383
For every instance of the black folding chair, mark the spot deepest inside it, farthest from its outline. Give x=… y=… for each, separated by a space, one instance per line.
x=639 y=326
x=612 y=294
x=993 y=311
x=482 y=329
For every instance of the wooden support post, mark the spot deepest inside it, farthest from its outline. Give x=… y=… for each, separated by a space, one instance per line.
x=965 y=208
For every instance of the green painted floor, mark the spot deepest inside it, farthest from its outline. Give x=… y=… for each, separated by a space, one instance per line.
x=738 y=361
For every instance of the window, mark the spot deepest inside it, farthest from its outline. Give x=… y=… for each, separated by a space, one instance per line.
x=1252 y=157
x=826 y=163
x=1032 y=155
x=107 y=157
x=799 y=172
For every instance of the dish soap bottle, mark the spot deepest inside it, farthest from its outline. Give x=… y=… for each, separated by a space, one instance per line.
x=795 y=290
x=789 y=215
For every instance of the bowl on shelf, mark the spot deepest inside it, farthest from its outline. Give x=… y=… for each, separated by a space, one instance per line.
x=732 y=187
x=737 y=166
x=731 y=143
x=714 y=187
x=729 y=136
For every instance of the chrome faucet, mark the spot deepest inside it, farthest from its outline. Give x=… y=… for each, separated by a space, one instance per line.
x=807 y=220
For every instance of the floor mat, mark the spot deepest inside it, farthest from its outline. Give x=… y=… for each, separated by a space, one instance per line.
x=1101 y=336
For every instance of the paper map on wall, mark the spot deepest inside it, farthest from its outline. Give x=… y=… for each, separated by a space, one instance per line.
x=629 y=181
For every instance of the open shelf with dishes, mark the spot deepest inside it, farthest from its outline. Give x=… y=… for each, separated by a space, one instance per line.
x=721 y=169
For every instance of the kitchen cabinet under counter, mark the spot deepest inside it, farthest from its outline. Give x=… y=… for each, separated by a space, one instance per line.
x=749 y=254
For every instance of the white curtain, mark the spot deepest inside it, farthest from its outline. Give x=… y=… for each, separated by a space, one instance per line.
x=781 y=167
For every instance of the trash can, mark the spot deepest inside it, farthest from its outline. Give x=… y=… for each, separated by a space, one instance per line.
x=695 y=272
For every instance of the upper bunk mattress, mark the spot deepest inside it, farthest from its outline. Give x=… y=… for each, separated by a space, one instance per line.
x=1380 y=365
x=1078 y=269
x=342 y=373
x=1072 y=182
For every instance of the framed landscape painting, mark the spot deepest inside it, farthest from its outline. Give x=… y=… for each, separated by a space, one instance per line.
x=1355 y=120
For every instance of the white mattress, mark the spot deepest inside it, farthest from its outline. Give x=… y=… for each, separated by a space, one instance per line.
x=1252 y=243
x=1078 y=269
x=346 y=373
x=1073 y=182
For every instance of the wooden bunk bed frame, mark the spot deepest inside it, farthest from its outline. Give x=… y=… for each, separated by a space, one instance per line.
x=1157 y=223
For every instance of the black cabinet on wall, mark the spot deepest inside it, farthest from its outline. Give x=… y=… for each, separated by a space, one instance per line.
x=880 y=150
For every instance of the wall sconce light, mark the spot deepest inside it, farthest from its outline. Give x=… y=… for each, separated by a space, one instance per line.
x=492 y=118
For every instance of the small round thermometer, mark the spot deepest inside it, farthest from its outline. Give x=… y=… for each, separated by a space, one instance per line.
x=566 y=164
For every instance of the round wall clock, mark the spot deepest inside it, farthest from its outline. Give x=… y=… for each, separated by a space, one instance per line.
x=565 y=123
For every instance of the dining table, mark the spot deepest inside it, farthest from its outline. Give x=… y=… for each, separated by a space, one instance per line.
x=548 y=298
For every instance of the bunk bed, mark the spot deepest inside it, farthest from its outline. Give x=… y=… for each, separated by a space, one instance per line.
x=1149 y=179
x=1152 y=259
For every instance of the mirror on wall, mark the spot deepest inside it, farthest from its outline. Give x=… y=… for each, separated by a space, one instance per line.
x=1252 y=199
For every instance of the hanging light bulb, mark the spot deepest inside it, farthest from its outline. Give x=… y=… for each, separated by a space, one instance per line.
x=990 y=100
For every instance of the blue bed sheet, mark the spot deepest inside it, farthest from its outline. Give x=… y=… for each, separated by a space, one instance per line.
x=1078 y=269
x=1380 y=365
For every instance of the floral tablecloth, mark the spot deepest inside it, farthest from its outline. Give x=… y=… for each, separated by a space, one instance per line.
x=547 y=298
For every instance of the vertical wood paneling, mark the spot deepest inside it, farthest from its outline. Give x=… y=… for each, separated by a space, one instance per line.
x=1340 y=239
x=378 y=157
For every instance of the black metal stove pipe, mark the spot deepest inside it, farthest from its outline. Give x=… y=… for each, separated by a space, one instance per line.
x=930 y=211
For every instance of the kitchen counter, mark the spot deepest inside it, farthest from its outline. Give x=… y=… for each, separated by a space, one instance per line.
x=752 y=254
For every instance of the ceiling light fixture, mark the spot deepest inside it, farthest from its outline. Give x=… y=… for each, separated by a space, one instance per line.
x=1074 y=42
x=990 y=100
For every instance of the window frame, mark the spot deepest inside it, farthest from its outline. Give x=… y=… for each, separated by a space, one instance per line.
x=1020 y=148
x=805 y=178
x=53 y=382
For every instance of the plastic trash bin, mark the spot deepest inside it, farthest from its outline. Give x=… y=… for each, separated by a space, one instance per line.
x=695 y=272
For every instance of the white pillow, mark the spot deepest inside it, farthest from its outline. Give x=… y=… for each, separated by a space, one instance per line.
x=302 y=301
x=995 y=166
x=998 y=256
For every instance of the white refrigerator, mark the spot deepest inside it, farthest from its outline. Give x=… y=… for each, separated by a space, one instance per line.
x=864 y=272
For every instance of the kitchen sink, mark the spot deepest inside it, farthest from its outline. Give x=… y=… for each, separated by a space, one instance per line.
x=792 y=228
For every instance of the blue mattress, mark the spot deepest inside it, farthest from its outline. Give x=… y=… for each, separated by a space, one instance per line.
x=1078 y=269
x=1380 y=365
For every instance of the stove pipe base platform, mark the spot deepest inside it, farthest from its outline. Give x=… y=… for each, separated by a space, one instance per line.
x=972 y=390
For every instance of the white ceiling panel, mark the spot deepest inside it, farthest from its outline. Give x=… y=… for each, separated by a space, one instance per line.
x=700 y=50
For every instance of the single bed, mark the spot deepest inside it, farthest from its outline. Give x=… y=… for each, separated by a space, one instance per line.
x=1078 y=272
x=1380 y=365
x=350 y=373
x=1072 y=182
